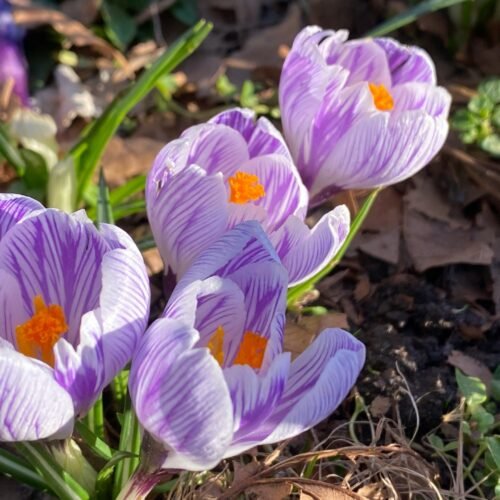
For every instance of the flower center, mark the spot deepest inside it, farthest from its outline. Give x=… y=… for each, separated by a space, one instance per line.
x=37 y=336
x=244 y=188
x=381 y=97
x=251 y=351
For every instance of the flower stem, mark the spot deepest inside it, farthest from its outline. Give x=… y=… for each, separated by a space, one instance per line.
x=297 y=292
x=95 y=419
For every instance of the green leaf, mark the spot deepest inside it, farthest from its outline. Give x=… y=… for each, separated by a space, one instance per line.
x=36 y=174
x=491 y=145
x=482 y=105
x=224 y=86
x=104 y=212
x=103 y=481
x=95 y=443
x=57 y=479
x=16 y=467
x=410 y=15
x=472 y=389
x=495 y=116
x=146 y=243
x=484 y=420
x=491 y=88
x=125 y=191
x=130 y=208
x=11 y=153
x=470 y=137
x=120 y=27
x=88 y=151
x=462 y=120
x=186 y=11
x=436 y=442
x=493 y=443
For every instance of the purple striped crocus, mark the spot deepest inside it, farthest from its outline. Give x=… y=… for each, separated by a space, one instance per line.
x=13 y=65
x=361 y=113
x=73 y=302
x=210 y=379
x=232 y=169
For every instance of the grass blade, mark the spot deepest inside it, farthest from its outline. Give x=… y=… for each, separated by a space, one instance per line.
x=15 y=467
x=411 y=15
x=88 y=151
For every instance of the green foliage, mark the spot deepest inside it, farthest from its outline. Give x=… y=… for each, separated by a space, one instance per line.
x=479 y=122
x=120 y=26
x=481 y=443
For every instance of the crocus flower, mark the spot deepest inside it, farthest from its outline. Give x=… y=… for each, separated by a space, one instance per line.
x=12 y=62
x=229 y=170
x=210 y=379
x=360 y=113
x=73 y=302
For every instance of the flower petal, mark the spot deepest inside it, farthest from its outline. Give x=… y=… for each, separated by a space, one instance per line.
x=180 y=396
x=187 y=214
x=303 y=251
x=413 y=96
x=32 y=405
x=320 y=378
x=285 y=193
x=57 y=256
x=254 y=398
x=407 y=64
x=13 y=208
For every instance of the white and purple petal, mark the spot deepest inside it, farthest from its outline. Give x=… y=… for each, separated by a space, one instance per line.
x=13 y=208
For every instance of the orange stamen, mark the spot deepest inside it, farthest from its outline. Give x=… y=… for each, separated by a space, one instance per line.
x=37 y=336
x=244 y=188
x=252 y=350
x=216 y=345
x=381 y=97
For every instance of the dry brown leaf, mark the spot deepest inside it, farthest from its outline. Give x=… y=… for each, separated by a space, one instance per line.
x=300 y=334
x=74 y=31
x=383 y=246
x=243 y=471
x=363 y=287
x=387 y=211
x=433 y=243
x=471 y=366
x=85 y=11
x=271 y=491
x=326 y=492
x=380 y=406
x=154 y=263
x=373 y=491
x=126 y=158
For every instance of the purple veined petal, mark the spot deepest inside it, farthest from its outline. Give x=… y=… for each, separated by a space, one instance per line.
x=254 y=397
x=320 y=378
x=13 y=208
x=187 y=215
x=365 y=60
x=414 y=96
x=10 y=317
x=33 y=405
x=407 y=64
x=261 y=135
x=264 y=286
x=243 y=245
x=221 y=303
x=54 y=255
x=303 y=251
x=180 y=396
x=304 y=79
x=338 y=112
x=216 y=148
x=244 y=212
x=284 y=192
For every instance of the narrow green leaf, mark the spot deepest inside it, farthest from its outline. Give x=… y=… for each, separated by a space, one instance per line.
x=130 y=208
x=95 y=443
x=410 y=15
x=17 y=468
x=57 y=479
x=88 y=151
x=10 y=153
x=131 y=187
x=119 y=387
x=493 y=443
x=472 y=389
x=104 y=212
x=146 y=243
x=296 y=292
x=103 y=481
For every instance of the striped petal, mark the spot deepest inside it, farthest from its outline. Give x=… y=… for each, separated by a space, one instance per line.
x=407 y=64
x=180 y=397
x=187 y=214
x=13 y=208
x=59 y=257
x=254 y=398
x=32 y=404
x=109 y=334
x=320 y=378
x=413 y=96
x=303 y=251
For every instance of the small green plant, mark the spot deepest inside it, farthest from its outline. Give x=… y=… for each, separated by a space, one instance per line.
x=478 y=436
x=479 y=122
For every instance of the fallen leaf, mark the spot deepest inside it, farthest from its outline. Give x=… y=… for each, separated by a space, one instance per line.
x=471 y=366
x=326 y=492
x=85 y=11
x=271 y=491
x=299 y=334
x=153 y=260
x=126 y=158
x=373 y=491
x=432 y=243
x=243 y=471
x=383 y=246
x=32 y=16
x=363 y=287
